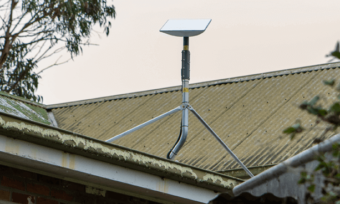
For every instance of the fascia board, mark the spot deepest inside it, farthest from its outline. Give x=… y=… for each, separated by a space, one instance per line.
x=98 y=173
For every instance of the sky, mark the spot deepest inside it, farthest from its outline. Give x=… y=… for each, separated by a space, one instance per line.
x=245 y=37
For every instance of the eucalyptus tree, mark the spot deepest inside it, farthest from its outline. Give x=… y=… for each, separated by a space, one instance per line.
x=34 y=30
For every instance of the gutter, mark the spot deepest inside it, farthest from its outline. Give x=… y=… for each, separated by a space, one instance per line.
x=240 y=173
x=44 y=135
x=298 y=160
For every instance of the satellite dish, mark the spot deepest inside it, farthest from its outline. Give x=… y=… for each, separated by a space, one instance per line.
x=185 y=27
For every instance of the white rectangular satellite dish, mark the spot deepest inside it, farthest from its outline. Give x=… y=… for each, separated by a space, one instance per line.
x=185 y=27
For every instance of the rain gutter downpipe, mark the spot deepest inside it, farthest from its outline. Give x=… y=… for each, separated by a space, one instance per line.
x=185 y=73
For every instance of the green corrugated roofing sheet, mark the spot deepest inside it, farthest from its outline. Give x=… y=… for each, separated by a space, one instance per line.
x=248 y=113
x=23 y=108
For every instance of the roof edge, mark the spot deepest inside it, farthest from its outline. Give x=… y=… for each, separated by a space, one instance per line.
x=240 y=173
x=57 y=138
x=200 y=84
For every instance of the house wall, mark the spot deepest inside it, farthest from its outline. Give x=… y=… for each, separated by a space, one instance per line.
x=19 y=186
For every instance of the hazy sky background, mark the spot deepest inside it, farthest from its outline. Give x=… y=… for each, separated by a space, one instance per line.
x=244 y=37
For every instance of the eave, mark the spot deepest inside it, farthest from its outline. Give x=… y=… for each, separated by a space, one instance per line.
x=37 y=146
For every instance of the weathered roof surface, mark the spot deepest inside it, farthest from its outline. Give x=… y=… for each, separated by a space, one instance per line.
x=56 y=138
x=248 y=113
x=23 y=108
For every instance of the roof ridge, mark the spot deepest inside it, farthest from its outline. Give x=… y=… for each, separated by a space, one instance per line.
x=200 y=84
x=19 y=98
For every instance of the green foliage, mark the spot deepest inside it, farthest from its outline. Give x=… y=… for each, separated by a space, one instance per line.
x=305 y=177
x=312 y=108
x=311 y=188
x=329 y=82
x=330 y=169
x=33 y=30
x=294 y=129
x=336 y=53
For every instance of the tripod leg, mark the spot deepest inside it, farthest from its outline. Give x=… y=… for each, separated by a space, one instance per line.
x=144 y=124
x=220 y=141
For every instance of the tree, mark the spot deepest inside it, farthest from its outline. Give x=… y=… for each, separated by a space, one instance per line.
x=33 y=30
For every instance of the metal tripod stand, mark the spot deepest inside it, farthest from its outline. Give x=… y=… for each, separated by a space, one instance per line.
x=184 y=107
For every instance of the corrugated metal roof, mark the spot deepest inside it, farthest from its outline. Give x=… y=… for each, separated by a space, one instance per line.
x=23 y=108
x=248 y=113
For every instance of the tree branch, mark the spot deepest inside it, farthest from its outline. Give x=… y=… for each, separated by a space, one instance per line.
x=54 y=52
x=8 y=42
x=55 y=64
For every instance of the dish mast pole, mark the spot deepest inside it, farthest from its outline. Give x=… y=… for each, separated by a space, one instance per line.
x=184 y=28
